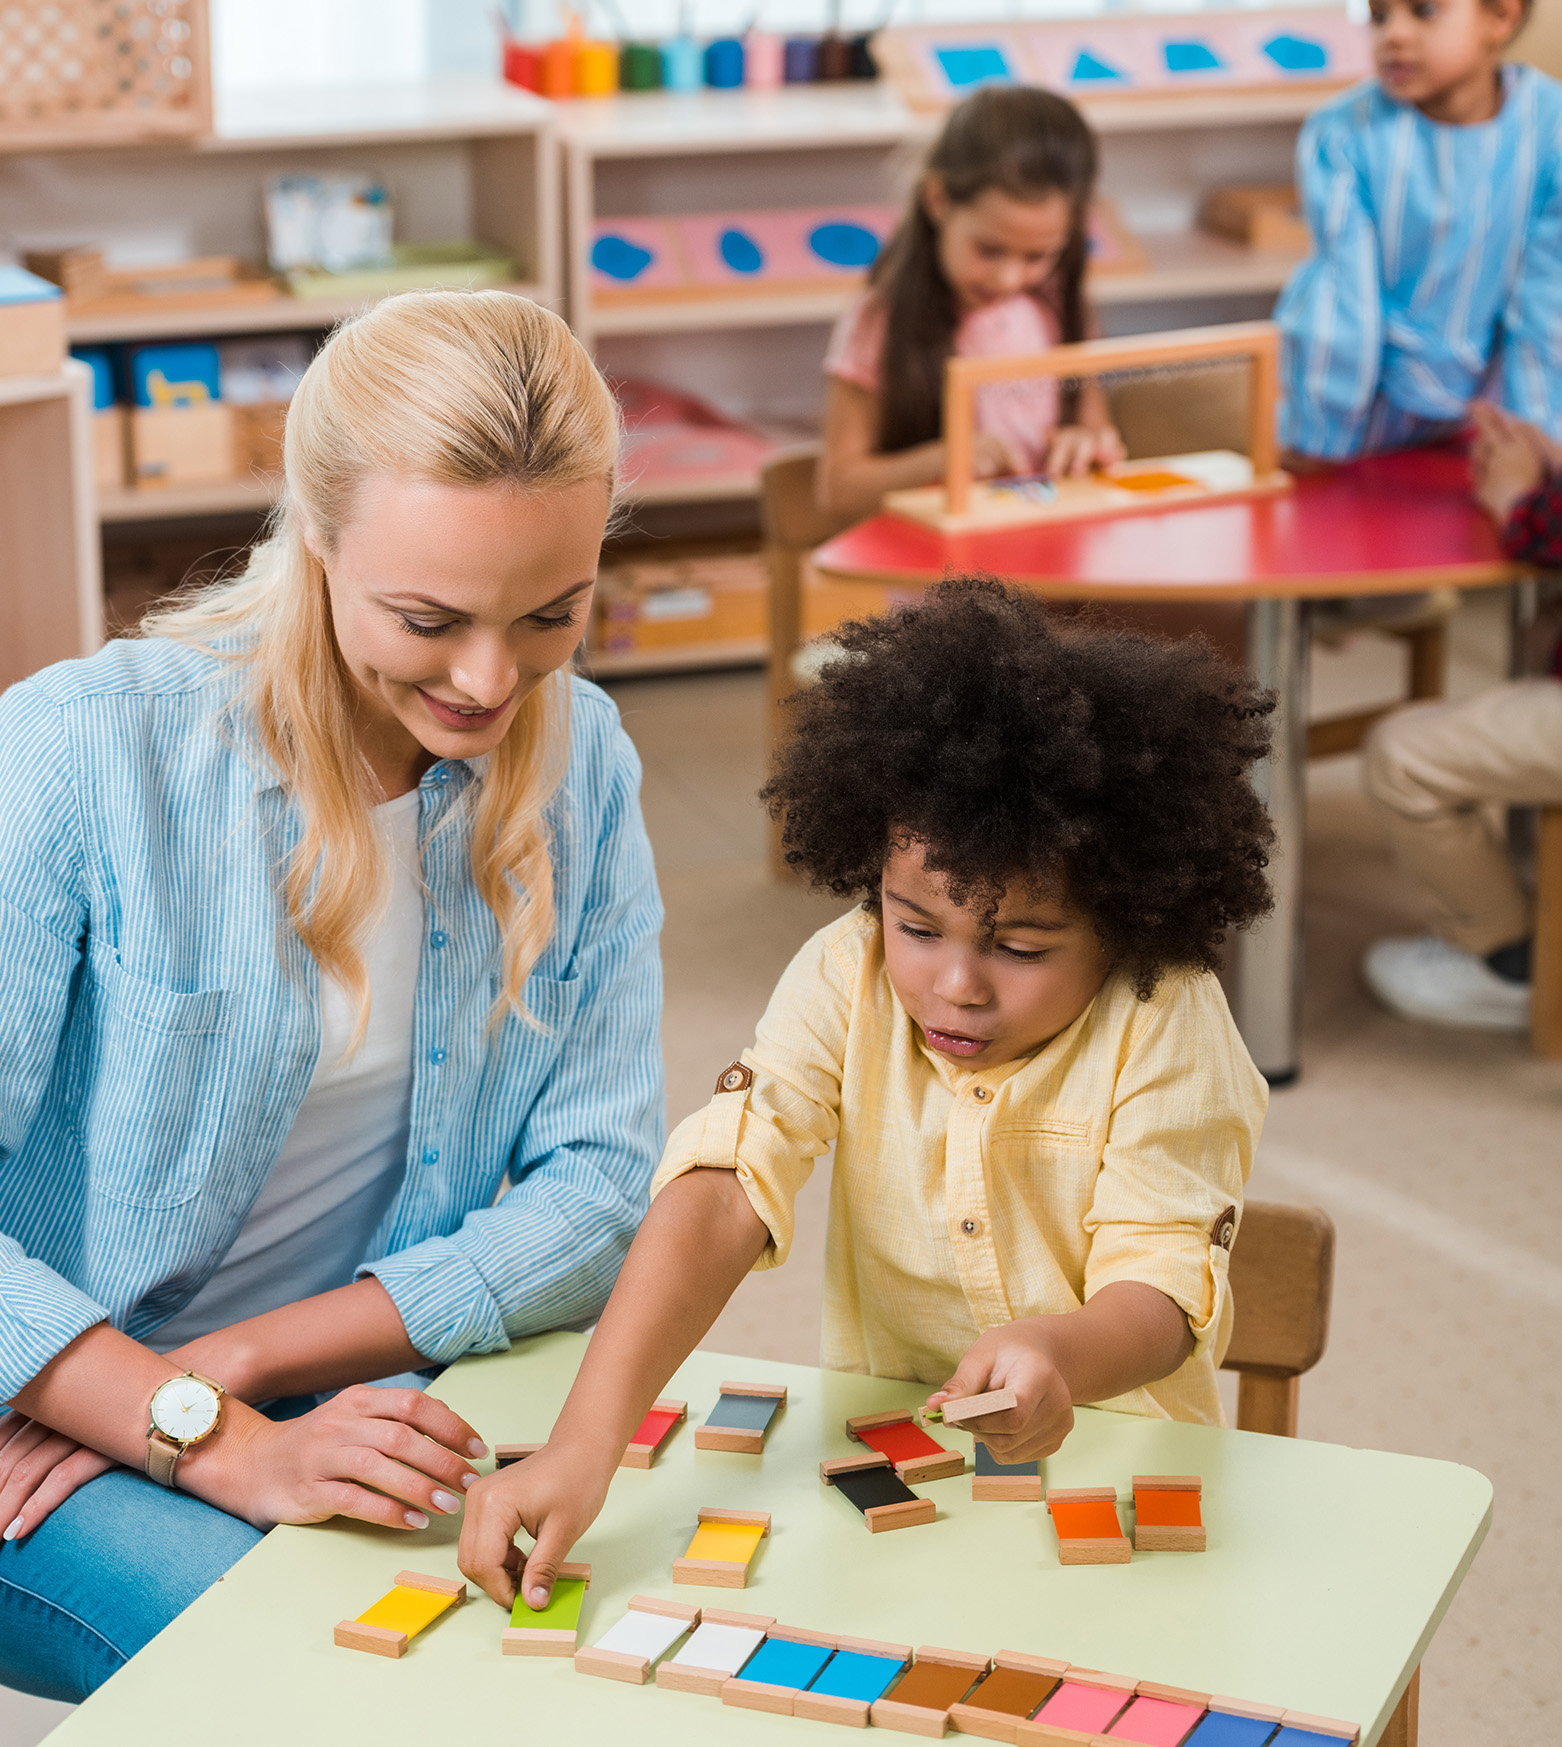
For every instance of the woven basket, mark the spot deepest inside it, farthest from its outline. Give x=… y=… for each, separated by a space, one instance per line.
x=102 y=72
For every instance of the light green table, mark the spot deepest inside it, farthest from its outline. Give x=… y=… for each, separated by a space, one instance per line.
x=1327 y=1573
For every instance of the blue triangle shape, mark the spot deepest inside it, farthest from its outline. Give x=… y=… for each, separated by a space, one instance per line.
x=1088 y=68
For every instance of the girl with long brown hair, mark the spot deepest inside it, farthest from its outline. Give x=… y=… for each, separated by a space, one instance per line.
x=989 y=260
x=329 y=991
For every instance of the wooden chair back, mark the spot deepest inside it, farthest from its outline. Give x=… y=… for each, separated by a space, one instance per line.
x=1282 y=1282
x=1545 y=1013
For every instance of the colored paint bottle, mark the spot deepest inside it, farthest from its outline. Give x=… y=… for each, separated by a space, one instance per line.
x=595 y=71
x=800 y=60
x=863 y=64
x=762 y=60
x=724 y=63
x=835 y=57
x=522 y=65
x=558 y=68
x=683 y=66
x=640 y=67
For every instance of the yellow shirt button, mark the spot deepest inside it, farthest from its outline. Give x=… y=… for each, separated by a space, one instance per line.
x=980 y=1094
x=971 y=1227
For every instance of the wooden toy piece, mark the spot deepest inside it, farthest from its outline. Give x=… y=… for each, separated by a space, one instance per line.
x=789 y=1660
x=652 y=1431
x=1016 y=1688
x=873 y=1486
x=918 y=1703
x=553 y=1630
x=1332 y=1727
x=721 y=1644
x=1216 y=476
x=1089 y=1533
x=1150 y=1721
x=723 y=1544
x=741 y=1418
x=914 y=1454
x=1221 y=1729
x=996 y=1481
x=32 y=323
x=1246 y=1707
x=1167 y=1515
x=968 y=1407
x=400 y=1614
x=506 y=1455
x=859 y=1673
x=1082 y=1706
x=1266 y=217
x=650 y=1627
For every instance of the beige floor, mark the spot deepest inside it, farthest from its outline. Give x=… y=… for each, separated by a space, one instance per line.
x=1436 y=1154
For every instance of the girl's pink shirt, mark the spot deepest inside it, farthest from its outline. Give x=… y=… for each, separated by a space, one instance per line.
x=1023 y=414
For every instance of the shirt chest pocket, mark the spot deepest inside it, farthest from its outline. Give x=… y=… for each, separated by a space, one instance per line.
x=154 y=1086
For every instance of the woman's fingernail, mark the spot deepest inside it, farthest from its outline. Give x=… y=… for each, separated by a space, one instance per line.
x=477 y=1448
x=13 y=1531
x=416 y=1519
x=447 y=1502
x=470 y=1478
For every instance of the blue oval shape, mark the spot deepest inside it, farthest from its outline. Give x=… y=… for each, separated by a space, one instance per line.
x=619 y=258
x=741 y=253
x=844 y=244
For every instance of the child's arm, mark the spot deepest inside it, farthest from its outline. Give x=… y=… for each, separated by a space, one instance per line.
x=854 y=475
x=1330 y=315
x=1126 y=1336
x=1510 y=461
x=699 y=1239
x=1532 y=319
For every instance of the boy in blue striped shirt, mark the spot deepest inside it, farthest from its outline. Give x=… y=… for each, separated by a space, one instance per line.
x=1434 y=195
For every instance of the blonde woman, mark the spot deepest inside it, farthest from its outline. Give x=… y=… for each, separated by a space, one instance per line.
x=329 y=991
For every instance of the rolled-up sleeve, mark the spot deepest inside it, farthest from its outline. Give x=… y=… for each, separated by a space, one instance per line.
x=1531 y=341
x=771 y=1131
x=43 y=917
x=1179 y=1150
x=548 y=1251
x=1331 y=313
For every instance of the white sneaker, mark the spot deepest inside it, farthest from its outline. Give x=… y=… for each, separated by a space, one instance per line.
x=1427 y=979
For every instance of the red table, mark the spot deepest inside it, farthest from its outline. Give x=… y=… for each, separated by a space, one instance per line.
x=1390 y=524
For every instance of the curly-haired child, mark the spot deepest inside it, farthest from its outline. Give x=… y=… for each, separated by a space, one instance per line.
x=1042 y=1113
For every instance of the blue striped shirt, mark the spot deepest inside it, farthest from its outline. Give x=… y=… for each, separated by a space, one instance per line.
x=1436 y=274
x=159 y=1023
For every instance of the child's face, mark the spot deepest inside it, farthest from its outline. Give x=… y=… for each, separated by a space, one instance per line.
x=1425 y=49
x=982 y=1001
x=996 y=246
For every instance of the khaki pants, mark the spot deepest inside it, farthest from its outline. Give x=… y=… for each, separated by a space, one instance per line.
x=1428 y=770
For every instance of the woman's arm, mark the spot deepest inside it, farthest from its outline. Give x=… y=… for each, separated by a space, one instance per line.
x=698 y=1241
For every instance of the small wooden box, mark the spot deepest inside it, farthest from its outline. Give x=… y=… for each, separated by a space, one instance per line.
x=110 y=447
x=257 y=437
x=32 y=336
x=1264 y=217
x=674 y=603
x=181 y=445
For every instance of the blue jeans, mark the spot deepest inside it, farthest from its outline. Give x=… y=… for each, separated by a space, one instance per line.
x=102 y=1576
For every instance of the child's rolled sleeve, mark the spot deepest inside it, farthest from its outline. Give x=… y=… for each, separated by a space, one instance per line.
x=785 y=1111
x=1179 y=1151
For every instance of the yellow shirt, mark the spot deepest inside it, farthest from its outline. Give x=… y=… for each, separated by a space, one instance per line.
x=963 y=1199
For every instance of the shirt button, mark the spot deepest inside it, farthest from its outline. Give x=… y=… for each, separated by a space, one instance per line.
x=971 y=1227
x=980 y=1094
x=436 y=1056
x=441 y=776
x=437 y=938
x=431 y=1157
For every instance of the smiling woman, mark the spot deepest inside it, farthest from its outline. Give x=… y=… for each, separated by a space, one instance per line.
x=329 y=991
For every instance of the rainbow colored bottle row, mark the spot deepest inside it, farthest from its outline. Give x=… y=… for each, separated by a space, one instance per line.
x=576 y=65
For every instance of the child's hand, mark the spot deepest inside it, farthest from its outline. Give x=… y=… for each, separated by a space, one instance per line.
x=1076 y=449
x=1015 y=1357
x=554 y=1496
x=992 y=458
x=1509 y=459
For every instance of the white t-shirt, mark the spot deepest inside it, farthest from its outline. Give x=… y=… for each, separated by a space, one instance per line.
x=343 y=1161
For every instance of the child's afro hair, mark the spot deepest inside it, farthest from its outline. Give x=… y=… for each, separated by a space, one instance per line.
x=1108 y=767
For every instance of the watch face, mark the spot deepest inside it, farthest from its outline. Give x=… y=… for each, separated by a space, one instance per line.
x=184 y=1409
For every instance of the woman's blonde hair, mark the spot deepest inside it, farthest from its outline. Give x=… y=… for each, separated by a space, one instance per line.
x=457 y=388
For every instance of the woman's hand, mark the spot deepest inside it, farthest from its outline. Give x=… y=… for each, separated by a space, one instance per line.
x=554 y=1496
x=1016 y=1356
x=39 y=1470
x=1076 y=449
x=386 y=1456
x=1509 y=459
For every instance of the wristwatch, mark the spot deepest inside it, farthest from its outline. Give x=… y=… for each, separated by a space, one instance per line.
x=184 y=1410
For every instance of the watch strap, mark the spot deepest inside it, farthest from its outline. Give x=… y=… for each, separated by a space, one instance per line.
x=162 y=1457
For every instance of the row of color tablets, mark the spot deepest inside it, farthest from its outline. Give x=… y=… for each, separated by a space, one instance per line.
x=749 y=1661
x=581 y=66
